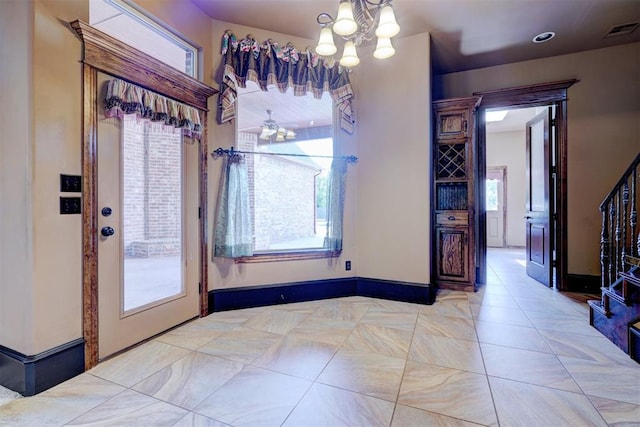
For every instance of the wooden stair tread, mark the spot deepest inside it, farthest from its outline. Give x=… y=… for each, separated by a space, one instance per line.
x=631 y=276
x=632 y=260
x=596 y=305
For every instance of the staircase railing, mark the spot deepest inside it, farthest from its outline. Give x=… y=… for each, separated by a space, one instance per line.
x=619 y=237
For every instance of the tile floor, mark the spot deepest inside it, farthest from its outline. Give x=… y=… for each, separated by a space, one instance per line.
x=513 y=354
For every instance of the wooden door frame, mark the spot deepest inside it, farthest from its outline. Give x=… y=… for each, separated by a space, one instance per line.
x=103 y=53
x=544 y=94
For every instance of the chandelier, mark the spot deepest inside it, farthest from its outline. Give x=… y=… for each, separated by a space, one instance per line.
x=355 y=24
x=270 y=127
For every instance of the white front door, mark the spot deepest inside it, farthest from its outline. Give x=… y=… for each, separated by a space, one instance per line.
x=496 y=208
x=148 y=230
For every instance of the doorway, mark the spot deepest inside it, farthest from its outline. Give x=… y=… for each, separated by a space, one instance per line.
x=518 y=216
x=554 y=94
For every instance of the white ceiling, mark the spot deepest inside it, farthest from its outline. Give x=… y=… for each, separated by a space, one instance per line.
x=466 y=34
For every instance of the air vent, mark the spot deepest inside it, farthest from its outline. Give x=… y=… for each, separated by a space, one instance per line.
x=622 y=30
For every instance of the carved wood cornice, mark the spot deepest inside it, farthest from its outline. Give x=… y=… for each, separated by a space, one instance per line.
x=110 y=55
x=543 y=93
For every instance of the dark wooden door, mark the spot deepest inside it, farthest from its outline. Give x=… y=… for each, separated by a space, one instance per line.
x=539 y=233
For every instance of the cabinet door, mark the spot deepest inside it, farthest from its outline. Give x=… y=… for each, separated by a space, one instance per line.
x=453 y=253
x=452 y=124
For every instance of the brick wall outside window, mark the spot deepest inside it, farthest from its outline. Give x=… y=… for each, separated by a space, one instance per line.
x=152 y=176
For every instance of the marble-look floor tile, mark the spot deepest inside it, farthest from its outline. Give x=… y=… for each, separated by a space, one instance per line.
x=190 y=380
x=236 y=317
x=617 y=413
x=444 y=326
x=450 y=304
x=342 y=310
x=371 y=374
x=195 y=334
x=520 y=404
x=131 y=408
x=527 y=366
x=605 y=380
x=494 y=300
x=511 y=336
x=451 y=392
x=405 y=416
x=196 y=420
x=596 y=348
x=325 y=406
x=241 y=344
x=385 y=305
x=571 y=324
x=507 y=316
x=391 y=319
x=380 y=340
x=275 y=321
x=60 y=404
x=325 y=330
x=297 y=356
x=448 y=352
x=137 y=364
x=255 y=397
x=548 y=305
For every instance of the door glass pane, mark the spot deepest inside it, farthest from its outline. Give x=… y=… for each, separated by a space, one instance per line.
x=492 y=194
x=152 y=213
x=537 y=167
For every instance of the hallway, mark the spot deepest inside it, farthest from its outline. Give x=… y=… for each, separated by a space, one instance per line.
x=513 y=353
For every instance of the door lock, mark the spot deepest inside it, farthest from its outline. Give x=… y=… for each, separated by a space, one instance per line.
x=107 y=231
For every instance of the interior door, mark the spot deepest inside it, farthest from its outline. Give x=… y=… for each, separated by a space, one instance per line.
x=496 y=209
x=539 y=234
x=148 y=247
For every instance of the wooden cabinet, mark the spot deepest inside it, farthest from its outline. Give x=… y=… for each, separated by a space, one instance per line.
x=454 y=194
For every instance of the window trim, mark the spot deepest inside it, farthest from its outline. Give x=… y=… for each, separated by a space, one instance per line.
x=293 y=255
x=145 y=18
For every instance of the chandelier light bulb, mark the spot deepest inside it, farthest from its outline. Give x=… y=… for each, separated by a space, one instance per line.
x=349 y=55
x=384 y=49
x=326 y=45
x=387 y=27
x=345 y=25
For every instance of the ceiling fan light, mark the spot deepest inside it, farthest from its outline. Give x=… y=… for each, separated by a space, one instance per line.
x=384 y=49
x=349 y=55
x=290 y=134
x=344 y=24
x=264 y=135
x=387 y=27
x=280 y=134
x=326 y=45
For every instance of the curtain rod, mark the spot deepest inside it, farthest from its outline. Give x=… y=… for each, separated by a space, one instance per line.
x=219 y=152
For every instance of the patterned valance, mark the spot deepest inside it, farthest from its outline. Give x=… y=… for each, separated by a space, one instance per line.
x=125 y=98
x=267 y=63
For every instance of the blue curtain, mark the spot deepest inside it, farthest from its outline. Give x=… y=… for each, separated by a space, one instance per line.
x=233 y=235
x=335 y=204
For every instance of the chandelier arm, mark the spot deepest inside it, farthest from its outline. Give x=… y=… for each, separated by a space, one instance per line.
x=325 y=19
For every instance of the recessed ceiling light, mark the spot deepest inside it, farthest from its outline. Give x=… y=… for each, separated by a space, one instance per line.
x=544 y=37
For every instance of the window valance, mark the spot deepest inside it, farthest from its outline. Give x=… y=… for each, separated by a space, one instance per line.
x=268 y=63
x=126 y=98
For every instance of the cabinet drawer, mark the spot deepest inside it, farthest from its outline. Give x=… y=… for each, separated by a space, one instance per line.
x=452 y=218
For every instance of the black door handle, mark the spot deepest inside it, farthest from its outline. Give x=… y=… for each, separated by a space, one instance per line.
x=107 y=231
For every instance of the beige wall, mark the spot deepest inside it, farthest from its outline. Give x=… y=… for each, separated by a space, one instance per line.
x=224 y=273
x=394 y=140
x=508 y=149
x=16 y=133
x=603 y=126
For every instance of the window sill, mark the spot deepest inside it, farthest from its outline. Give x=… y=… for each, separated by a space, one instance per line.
x=288 y=256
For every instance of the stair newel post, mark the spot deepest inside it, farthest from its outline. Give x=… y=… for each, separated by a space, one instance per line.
x=633 y=215
x=613 y=260
x=623 y=218
x=604 y=249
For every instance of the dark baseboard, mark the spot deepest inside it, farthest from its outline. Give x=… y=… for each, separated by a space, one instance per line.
x=583 y=283
x=29 y=375
x=258 y=296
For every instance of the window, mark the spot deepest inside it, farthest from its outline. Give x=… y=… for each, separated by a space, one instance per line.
x=127 y=23
x=288 y=194
x=492 y=194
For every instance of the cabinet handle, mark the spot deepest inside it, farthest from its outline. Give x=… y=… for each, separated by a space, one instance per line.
x=451 y=218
